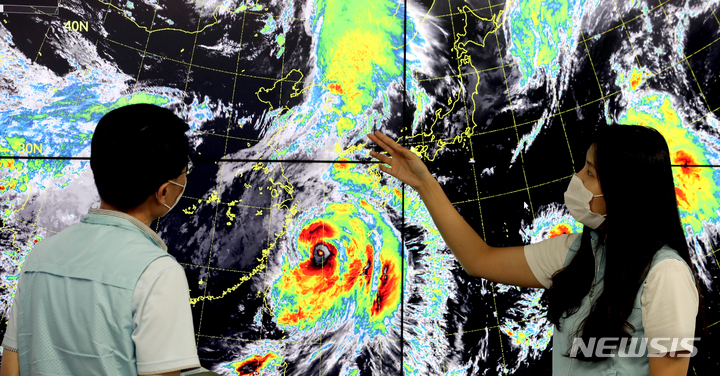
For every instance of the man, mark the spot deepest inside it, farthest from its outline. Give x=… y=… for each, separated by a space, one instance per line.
x=103 y=297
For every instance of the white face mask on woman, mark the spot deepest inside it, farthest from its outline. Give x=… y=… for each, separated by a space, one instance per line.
x=577 y=200
x=178 y=198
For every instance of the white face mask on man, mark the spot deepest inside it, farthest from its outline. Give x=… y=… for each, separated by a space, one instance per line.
x=577 y=200
x=178 y=198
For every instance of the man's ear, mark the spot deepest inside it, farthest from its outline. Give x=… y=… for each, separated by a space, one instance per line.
x=161 y=193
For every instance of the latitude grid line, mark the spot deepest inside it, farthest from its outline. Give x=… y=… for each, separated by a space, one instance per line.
x=425 y=79
x=225 y=203
x=574 y=45
x=227 y=132
x=163 y=57
x=174 y=60
x=602 y=98
x=454 y=203
x=560 y=113
x=378 y=342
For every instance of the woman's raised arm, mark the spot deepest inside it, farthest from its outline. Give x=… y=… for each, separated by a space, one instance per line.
x=506 y=265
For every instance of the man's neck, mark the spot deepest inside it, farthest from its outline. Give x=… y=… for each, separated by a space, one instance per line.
x=137 y=212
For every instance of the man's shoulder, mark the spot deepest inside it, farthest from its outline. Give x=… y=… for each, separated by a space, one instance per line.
x=161 y=266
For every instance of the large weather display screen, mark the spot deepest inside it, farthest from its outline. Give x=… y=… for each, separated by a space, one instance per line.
x=301 y=256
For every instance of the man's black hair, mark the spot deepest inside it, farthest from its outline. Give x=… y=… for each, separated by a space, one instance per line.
x=135 y=149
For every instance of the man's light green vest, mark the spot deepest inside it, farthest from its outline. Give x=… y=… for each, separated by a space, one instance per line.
x=615 y=366
x=75 y=315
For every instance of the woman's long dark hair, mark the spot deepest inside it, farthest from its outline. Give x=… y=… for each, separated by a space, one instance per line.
x=634 y=169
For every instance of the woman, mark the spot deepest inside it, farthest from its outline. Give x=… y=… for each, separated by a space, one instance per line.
x=625 y=197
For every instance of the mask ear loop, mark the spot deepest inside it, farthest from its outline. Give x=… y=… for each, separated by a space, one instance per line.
x=604 y=215
x=166 y=205
x=178 y=199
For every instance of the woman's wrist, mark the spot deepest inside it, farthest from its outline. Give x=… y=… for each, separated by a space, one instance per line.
x=427 y=185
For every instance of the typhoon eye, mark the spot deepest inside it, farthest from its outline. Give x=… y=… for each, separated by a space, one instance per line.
x=321 y=255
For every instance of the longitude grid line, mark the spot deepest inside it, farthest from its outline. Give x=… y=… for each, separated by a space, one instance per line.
x=403 y=131
x=265 y=271
x=567 y=140
x=713 y=12
x=46 y=33
x=587 y=51
x=511 y=192
x=452 y=24
x=102 y=24
x=37 y=216
x=217 y=206
x=522 y=164
x=685 y=58
x=698 y=85
x=322 y=335
x=512 y=112
x=627 y=33
x=230 y=118
x=477 y=189
x=192 y=54
x=2 y=316
x=282 y=67
x=142 y=60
